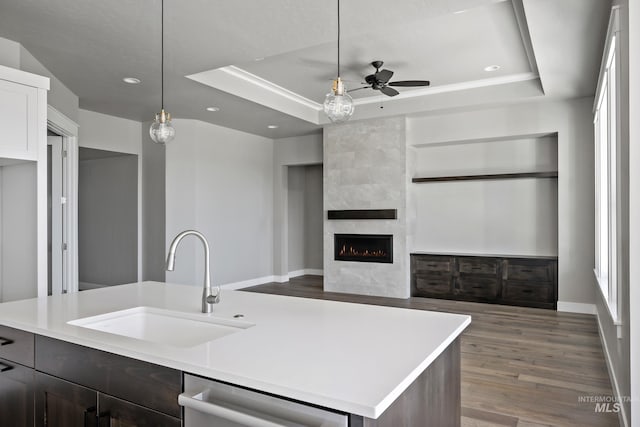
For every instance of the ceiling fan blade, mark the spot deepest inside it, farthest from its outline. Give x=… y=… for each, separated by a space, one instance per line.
x=358 y=88
x=410 y=83
x=383 y=76
x=389 y=91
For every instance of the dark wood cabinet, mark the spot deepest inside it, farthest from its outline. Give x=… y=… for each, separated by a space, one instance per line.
x=16 y=377
x=16 y=394
x=523 y=281
x=117 y=412
x=60 y=403
x=85 y=386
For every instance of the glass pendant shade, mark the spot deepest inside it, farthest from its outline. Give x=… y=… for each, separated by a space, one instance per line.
x=338 y=104
x=161 y=130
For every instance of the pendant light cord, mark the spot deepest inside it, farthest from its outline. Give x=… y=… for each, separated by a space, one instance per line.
x=162 y=53
x=338 y=38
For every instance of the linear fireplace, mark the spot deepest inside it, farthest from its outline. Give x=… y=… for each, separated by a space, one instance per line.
x=363 y=247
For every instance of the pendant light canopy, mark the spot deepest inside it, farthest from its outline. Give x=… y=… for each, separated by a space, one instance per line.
x=338 y=104
x=161 y=130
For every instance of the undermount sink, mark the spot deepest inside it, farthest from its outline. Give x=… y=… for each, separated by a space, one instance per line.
x=173 y=328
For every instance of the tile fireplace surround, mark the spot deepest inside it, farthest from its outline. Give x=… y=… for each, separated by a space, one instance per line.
x=365 y=167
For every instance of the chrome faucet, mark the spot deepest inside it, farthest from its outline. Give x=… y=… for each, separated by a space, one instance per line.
x=209 y=297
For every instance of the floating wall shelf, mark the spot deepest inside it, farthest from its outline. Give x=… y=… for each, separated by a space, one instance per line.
x=487 y=177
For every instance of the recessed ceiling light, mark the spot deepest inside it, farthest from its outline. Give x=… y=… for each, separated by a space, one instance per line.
x=273 y=126
x=458 y=12
x=131 y=80
x=213 y=109
x=492 y=68
x=259 y=59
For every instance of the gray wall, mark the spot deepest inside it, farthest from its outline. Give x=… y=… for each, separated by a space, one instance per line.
x=220 y=181
x=300 y=150
x=14 y=55
x=314 y=217
x=18 y=269
x=514 y=217
x=572 y=121
x=296 y=214
x=153 y=208
x=108 y=219
x=305 y=217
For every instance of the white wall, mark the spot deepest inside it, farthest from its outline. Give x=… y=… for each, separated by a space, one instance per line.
x=572 y=122
x=219 y=181
x=510 y=217
x=108 y=220
x=300 y=150
x=634 y=209
x=18 y=268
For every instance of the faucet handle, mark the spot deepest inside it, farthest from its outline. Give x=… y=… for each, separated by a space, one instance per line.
x=213 y=299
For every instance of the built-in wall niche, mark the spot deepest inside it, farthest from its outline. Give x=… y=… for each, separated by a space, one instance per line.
x=18 y=230
x=510 y=208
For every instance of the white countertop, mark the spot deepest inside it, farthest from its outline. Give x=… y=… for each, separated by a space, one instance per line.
x=350 y=357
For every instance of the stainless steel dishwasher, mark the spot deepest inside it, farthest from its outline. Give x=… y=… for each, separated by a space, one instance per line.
x=212 y=403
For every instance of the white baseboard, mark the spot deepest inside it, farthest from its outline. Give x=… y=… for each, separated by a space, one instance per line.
x=577 y=307
x=269 y=279
x=304 y=272
x=616 y=388
x=85 y=286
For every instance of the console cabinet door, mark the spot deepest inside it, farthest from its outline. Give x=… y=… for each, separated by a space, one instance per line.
x=16 y=394
x=120 y=413
x=60 y=403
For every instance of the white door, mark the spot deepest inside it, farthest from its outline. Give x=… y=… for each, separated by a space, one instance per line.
x=58 y=282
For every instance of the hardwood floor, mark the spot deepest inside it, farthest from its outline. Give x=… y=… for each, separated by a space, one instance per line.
x=521 y=367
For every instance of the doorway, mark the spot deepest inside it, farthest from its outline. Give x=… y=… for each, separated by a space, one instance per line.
x=57 y=282
x=107 y=218
x=304 y=220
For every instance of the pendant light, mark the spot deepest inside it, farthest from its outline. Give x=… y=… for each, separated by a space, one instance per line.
x=161 y=130
x=338 y=105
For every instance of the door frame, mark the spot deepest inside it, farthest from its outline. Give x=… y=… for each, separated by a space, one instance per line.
x=68 y=129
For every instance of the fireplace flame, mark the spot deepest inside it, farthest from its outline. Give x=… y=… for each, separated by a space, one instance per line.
x=366 y=253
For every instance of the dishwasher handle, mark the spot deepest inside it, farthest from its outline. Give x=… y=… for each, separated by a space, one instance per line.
x=190 y=400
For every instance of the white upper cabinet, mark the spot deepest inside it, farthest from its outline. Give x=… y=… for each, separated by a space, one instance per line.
x=23 y=121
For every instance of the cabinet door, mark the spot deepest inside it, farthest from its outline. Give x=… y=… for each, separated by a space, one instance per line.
x=16 y=395
x=120 y=413
x=19 y=121
x=60 y=403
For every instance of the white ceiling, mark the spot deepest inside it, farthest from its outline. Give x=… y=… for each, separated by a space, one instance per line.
x=548 y=48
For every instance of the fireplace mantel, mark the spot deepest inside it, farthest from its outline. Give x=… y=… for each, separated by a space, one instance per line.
x=363 y=214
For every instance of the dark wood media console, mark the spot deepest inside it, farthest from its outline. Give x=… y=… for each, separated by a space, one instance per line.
x=510 y=280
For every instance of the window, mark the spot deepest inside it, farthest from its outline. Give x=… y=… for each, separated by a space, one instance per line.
x=606 y=122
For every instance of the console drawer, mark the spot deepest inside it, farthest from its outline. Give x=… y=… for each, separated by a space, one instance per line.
x=17 y=346
x=478 y=287
x=530 y=292
x=478 y=265
x=432 y=284
x=423 y=263
x=530 y=270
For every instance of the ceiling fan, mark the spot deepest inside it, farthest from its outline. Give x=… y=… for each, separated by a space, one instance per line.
x=380 y=81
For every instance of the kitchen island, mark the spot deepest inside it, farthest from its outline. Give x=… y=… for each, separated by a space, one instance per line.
x=373 y=363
